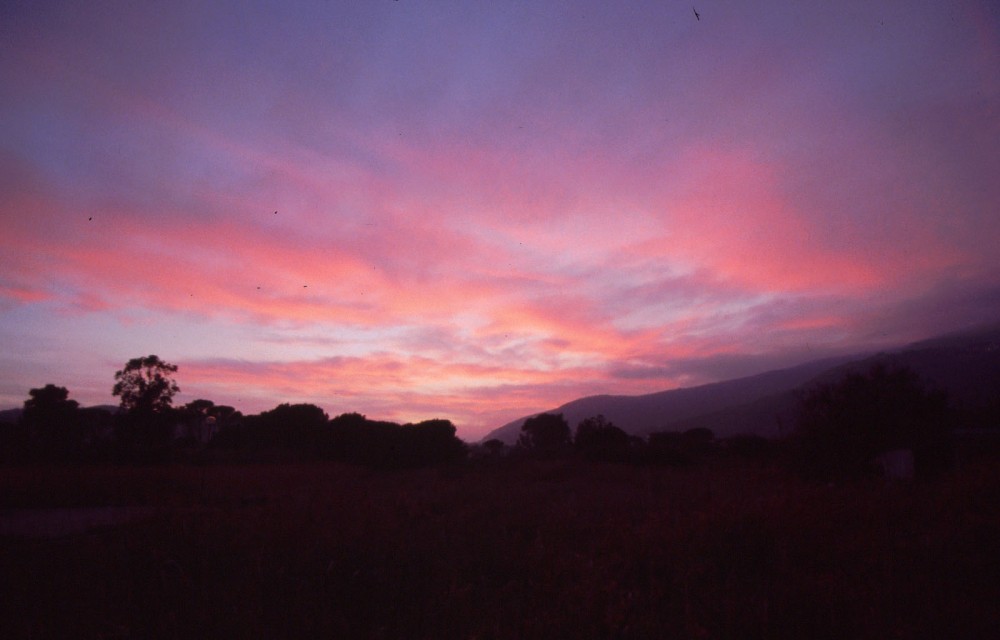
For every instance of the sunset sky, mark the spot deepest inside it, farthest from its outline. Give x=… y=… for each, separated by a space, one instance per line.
x=479 y=210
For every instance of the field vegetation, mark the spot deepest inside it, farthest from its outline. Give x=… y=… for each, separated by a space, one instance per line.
x=728 y=548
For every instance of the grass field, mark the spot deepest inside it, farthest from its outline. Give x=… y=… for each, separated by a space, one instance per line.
x=727 y=549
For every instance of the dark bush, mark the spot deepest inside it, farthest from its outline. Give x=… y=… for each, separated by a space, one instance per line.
x=844 y=425
x=545 y=436
x=599 y=440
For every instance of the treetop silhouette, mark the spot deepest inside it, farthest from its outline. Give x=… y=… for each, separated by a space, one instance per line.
x=146 y=385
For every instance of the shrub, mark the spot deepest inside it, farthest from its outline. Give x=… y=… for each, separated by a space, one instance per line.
x=843 y=426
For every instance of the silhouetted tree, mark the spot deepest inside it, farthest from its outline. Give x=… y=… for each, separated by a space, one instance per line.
x=291 y=427
x=429 y=443
x=200 y=407
x=598 y=439
x=842 y=426
x=305 y=431
x=52 y=425
x=545 y=435
x=50 y=400
x=146 y=385
x=347 y=436
x=358 y=440
x=144 y=429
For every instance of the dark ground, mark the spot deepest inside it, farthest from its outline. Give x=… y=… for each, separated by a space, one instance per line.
x=728 y=549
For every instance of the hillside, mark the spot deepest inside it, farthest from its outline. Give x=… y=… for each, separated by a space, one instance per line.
x=660 y=411
x=966 y=365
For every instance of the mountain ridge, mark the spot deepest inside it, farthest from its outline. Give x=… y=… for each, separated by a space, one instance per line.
x=965 y=364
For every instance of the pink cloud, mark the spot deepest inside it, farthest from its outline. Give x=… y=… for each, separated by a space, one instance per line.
x=16 y=294
x=568 y=199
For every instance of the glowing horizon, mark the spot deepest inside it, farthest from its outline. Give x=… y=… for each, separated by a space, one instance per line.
x=419 y=210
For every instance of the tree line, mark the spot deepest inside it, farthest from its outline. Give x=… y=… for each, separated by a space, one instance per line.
x=548 y=436
x=845 y=428
x=842 y=428
x=147 y=428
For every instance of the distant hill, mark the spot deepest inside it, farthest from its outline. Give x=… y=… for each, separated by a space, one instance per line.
x=966 y=365
x=662 y=411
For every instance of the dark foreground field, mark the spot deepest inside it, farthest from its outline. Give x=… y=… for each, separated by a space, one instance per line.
x=532 y=550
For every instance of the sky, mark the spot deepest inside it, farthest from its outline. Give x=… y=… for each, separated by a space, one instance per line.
x=467 y=210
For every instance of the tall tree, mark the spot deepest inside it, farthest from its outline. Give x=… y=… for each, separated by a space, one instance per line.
x=146 y=385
